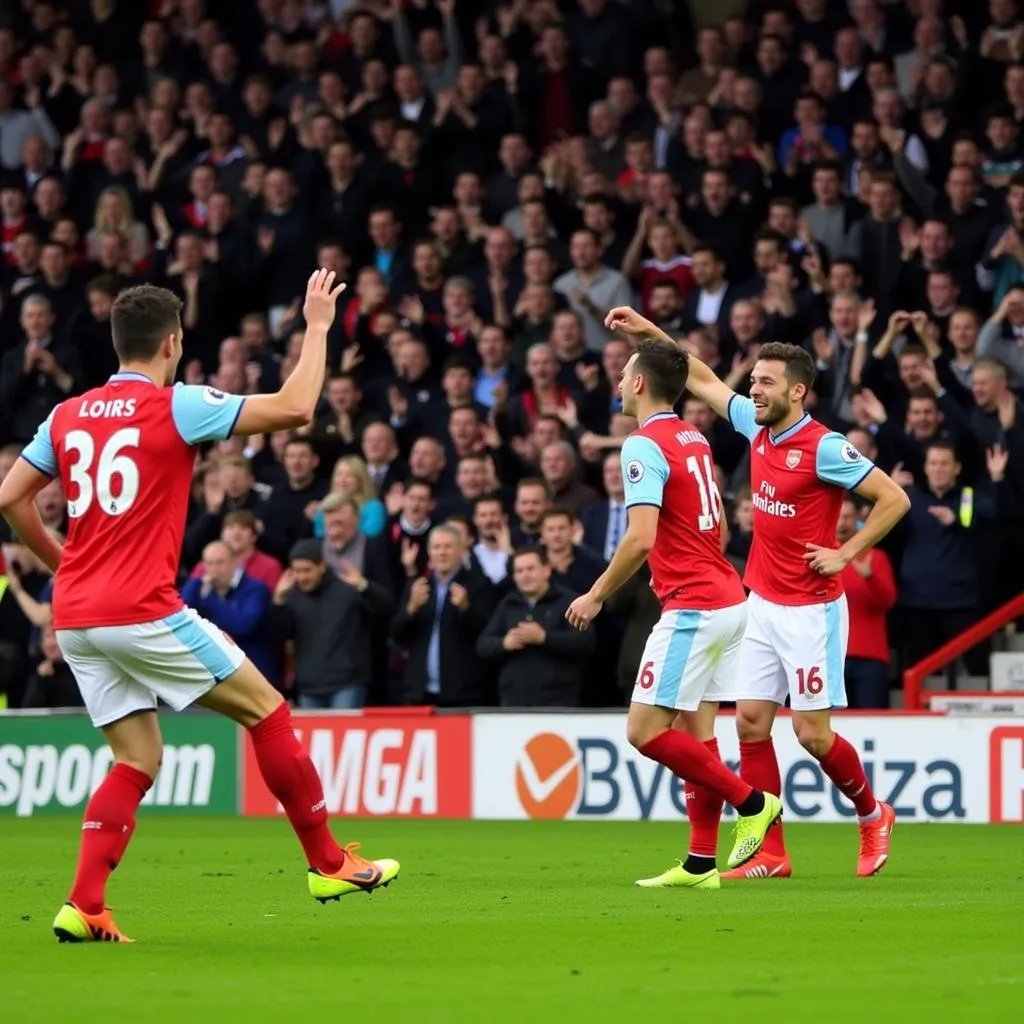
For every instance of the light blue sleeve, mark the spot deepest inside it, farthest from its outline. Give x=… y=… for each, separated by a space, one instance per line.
x=644 y=471
x=204 y=414
x=839 y=463
x=39 y=453
x=741 y=416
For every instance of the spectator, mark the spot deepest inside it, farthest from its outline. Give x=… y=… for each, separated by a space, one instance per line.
x=290 y=510
x=592 y=288
x=240 y=531
x=558 y=466
x=494 y=546
x=351 y=480
x=52 y=684
x=604 y=522
x=541 y=658
x=938 y=578
x=235 y=603
x=114 y=213
x=440 y=615
x=230 y=486
x=36 y=374
x=870 y=586
x=329 y=618
x=574 y=567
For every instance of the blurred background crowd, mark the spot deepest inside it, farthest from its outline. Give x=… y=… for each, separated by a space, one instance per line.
x=491 y=178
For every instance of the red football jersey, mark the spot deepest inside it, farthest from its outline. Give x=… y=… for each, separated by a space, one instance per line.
x=668 y=463
x=797 y=480
x=125 y=453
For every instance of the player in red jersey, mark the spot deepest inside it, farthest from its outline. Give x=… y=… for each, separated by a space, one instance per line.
x=797 y=623
x=691 y=655
x=124 y=453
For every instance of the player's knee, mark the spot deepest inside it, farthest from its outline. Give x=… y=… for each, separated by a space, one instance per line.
x=146 y=761
x=640 y=730
x=753 y=721
x=813 y=734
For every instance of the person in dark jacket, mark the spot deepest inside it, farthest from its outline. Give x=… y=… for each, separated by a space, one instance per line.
x=288 y=513
x=330 y=619
x=440 y=616
x=938 y=578
x=235 y=603
x=542 y=658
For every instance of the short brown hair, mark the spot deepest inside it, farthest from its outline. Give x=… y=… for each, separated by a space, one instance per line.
x=665 y=367
x=558 y=512
x=242 y=517
x=237 y=461
x=140 y=319
x=798 y=362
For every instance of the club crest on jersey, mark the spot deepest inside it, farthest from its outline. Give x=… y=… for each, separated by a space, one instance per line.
x=793 y=459
x=211 y=396
x=634 y=471
x=849 y=454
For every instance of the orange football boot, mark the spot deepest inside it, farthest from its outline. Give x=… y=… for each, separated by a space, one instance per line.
x=875 y=837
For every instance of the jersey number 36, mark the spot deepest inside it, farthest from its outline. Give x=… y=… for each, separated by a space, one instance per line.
x=96 y=483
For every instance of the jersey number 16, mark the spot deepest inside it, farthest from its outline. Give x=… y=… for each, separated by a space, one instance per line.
x=710 y=499
x=97 y=484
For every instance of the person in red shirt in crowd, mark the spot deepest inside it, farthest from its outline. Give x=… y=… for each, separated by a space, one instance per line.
x=870 y=586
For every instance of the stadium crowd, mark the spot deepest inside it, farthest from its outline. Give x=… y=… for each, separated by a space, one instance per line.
x=491 y=178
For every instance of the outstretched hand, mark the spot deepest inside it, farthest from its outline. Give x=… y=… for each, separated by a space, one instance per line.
x=321 y=299
x=627 y=320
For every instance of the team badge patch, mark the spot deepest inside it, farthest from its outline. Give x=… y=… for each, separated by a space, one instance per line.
x=211 y=396
x=634 y=471
x=793 y=459
x=849 y=454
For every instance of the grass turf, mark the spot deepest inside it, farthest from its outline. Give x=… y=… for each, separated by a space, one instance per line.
x=527 y=921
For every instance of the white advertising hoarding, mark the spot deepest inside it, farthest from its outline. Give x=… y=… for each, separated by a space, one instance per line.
x=579 y=766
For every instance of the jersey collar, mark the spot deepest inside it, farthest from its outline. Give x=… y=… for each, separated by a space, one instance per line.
x=130 y=375
x=787 y=434
x=667 y=415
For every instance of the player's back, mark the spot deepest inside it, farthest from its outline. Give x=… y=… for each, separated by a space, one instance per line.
x=687 y=564
x=124 y=453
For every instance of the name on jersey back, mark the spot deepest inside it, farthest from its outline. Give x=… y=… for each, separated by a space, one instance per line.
x=112 y=408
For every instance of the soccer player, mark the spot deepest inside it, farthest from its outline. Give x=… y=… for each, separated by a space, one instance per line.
x=797 y=622
x=691 y=655
x=124 y=453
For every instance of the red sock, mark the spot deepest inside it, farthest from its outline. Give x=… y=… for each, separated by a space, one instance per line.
x=291 y=777
x=704 y=809
x=843 y=766
x=107 y=827
x=760 y=767
x=693 y=761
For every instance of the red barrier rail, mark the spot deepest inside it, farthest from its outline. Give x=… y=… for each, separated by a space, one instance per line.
x=914 y=677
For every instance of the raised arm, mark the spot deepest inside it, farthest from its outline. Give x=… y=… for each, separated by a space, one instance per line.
x=294 y=404
x=701 y=383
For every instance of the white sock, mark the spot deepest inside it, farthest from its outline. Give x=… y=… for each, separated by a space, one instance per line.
x=873 y=816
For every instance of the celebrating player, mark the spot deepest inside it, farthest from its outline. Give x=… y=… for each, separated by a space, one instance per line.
x=797 y=622
x=124 y=453
x=691 y=655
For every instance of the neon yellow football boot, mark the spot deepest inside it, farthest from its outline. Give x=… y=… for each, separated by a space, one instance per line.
x=751 y=830
x=357 y=874
x=679 y=878
x=74 y=925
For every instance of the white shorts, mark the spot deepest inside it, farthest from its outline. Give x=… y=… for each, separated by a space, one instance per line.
x=121 y=670
x=799 y=650
x=691 y=656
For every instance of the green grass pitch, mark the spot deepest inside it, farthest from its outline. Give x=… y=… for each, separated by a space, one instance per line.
x=529 y=921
